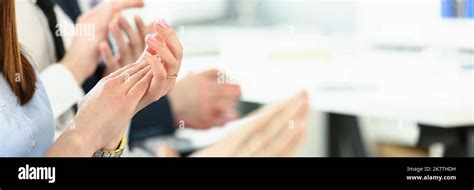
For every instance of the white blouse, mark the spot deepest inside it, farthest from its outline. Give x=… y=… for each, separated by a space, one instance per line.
x=25 y=130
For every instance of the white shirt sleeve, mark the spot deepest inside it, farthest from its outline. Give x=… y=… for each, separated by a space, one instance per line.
x=61 y=87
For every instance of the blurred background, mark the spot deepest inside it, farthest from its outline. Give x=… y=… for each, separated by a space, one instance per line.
x=385 y=77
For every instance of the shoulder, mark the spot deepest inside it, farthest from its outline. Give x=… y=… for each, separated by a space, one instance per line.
x=24 y=130
x=13 y=131
x=9 y=106
x=7 y=97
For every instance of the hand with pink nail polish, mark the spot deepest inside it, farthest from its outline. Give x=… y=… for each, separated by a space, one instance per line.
x=164 y=53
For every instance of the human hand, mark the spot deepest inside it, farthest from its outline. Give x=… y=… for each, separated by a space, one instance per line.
x=201 y=102
x=165 y=52
x=130 y=49
x=156 y=62
x=105 y=111
x=274 y=130
x=83 y=56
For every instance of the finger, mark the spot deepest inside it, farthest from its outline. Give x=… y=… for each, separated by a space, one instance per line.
x=252 y=146
x=256 y=122
x=159 y=73
x=285 y=118
x=170 y=38
x=212 y=73
x=230 y=91
x=141 y=27
x=224 y=105
x=121 y=70
x=132 y=80
x=171 y=64
x=166 y=151
x=106 y=53
x=136 y=42
x=284 y=143
x=225 y=118
x=111 y=8
x=291 y=144
x=137 y=91
x=288 y=141
x=124 y=49
x=129 y=71
x=119 y=6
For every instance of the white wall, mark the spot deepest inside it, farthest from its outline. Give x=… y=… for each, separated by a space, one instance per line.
x=416 y=22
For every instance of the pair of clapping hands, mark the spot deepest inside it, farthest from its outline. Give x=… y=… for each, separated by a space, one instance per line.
x=145 y=70
x=104 y=113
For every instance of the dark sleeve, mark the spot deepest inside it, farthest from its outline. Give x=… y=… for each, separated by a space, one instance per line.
x=71 y=8
x=154 y=120
x=90 y=82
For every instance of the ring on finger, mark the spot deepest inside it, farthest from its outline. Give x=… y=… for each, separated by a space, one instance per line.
x=126 y=77
x=172 y=77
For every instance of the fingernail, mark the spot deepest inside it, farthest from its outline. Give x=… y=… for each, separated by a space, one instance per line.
x=148 y=54
x=162 y=23
x=151 y=38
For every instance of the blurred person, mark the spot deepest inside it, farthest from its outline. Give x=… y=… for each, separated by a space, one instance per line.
x=66 y=92
x=48 y=32
x=129 y=44
x=273 y=130
x=26 y=119
x=198 y=99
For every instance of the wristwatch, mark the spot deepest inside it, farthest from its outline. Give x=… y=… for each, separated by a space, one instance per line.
x=103 y=153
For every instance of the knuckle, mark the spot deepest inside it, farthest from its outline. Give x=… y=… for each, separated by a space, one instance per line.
x=107 y=84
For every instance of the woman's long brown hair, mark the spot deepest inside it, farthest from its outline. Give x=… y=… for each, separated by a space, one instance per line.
x=17 y=70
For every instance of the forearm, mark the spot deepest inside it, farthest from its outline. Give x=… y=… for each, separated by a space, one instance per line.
x=73 y=64
x=72 y=143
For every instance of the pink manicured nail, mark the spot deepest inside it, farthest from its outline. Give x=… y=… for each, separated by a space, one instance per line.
x=162 y=23
x=151 y=38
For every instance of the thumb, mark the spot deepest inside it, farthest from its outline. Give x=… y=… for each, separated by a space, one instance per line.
x=212 y=73
x=165 y=150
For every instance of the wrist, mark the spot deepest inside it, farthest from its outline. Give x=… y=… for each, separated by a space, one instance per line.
x=71 y=63
x=115 y=142
x=72 y=143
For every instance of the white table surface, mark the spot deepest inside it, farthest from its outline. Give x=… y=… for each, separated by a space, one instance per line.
x=420 y=94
